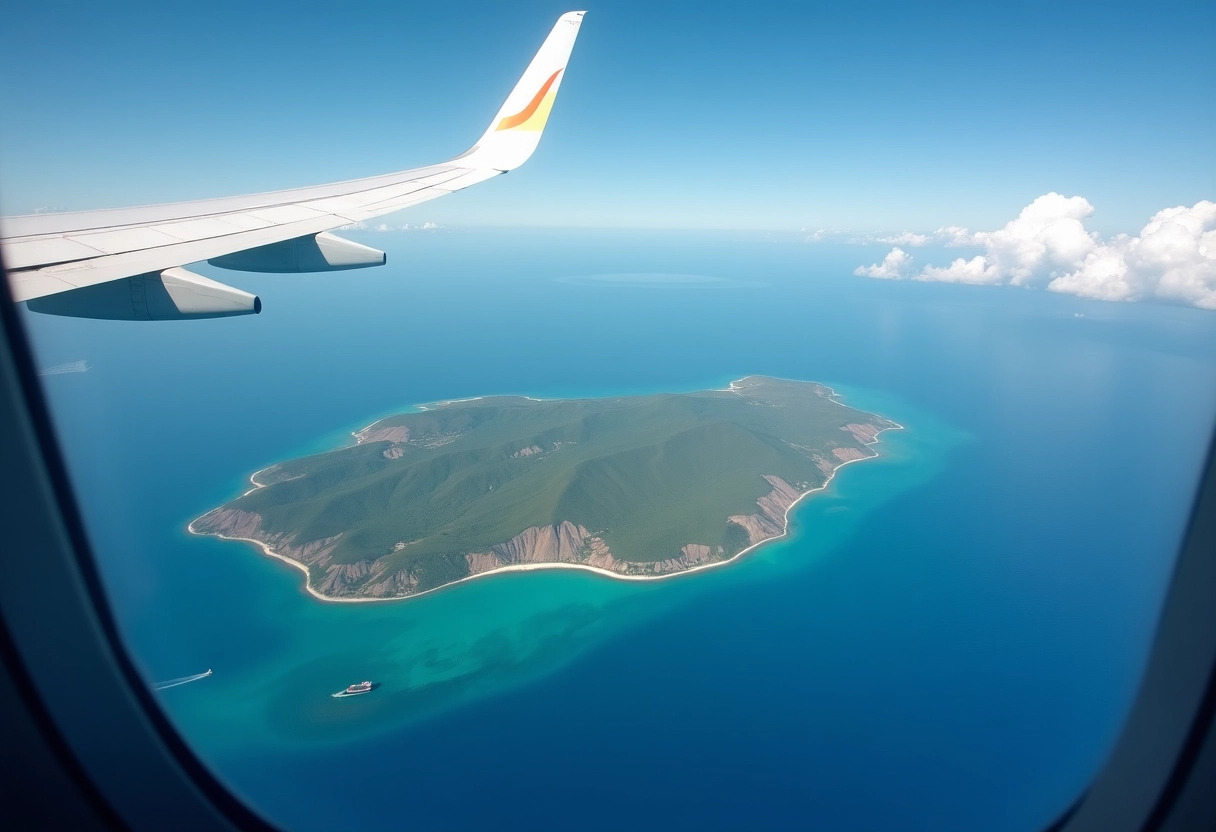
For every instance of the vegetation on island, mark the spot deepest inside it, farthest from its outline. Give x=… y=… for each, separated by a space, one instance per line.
x=637 y=485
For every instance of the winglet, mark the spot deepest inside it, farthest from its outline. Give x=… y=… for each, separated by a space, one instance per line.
x=515 y=131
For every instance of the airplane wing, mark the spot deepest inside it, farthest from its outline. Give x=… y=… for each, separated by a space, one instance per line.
x=126 y=263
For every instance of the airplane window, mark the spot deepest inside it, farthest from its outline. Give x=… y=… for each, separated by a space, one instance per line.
x=535 y=506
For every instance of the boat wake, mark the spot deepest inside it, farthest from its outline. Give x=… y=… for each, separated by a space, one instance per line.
x=182 y=680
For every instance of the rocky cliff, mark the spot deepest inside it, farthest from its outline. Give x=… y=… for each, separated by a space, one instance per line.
x=769 y=521
x=568 y=542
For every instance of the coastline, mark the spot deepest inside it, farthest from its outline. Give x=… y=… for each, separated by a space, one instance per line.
x=531 y=567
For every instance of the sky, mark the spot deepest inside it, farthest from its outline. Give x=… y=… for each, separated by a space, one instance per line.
x=823 y=117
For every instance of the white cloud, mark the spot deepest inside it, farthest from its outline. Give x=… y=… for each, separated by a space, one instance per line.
x=976 y=270
x=907 y=238
x=1173 y=258
x=954 y=235
x=892 y=267
x=385 y=228
x=1049 y=235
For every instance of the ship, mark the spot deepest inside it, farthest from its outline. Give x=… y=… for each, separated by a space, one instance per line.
x=353 y=690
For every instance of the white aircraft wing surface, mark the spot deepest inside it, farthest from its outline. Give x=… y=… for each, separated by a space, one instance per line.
x=125 y=263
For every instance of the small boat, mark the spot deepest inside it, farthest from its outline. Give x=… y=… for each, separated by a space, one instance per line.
x=354 y=690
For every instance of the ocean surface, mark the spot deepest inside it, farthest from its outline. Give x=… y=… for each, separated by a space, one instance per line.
x=948 y=640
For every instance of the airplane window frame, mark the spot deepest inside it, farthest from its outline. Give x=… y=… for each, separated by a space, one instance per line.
x=130 y=764
x=56 y=626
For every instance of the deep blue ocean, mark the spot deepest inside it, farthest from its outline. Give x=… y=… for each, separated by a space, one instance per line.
x=948 y=641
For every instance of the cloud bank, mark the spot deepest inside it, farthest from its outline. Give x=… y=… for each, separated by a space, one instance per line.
x=384 y=227
x=1173 y=258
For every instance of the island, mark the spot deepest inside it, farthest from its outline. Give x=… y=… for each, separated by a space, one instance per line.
x=636 y=487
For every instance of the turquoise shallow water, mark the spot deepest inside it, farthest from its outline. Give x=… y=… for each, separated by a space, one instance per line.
x=947 y=640
x=437 y=652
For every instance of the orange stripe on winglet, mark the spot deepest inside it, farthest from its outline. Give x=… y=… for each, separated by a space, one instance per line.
x=526 y=113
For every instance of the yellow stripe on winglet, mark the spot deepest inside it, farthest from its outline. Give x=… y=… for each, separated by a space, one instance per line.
x=534 y=116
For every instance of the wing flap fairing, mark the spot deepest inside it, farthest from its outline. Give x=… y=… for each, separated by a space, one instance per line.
x=174 y=294
x=322 y=252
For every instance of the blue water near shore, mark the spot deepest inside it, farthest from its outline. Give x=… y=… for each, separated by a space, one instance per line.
x=948 y=639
